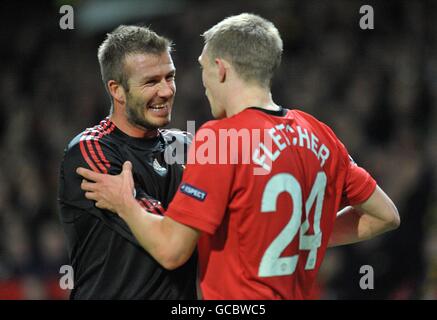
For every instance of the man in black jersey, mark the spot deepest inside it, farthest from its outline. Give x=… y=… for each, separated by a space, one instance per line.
x=139 y=75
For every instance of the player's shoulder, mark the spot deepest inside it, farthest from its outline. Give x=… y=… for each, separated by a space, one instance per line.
x=176 y=135
x=214 y=125
x=236 y=121
x=299 y=114
x=303 y=118
x=91 y=138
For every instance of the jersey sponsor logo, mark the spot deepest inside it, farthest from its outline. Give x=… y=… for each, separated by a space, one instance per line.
x=193 y=192
x=158 y=168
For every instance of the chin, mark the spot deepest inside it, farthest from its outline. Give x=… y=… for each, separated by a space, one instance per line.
x=161 y=123
x=156 y=121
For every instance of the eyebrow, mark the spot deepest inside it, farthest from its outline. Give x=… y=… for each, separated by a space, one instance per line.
x=157 y=76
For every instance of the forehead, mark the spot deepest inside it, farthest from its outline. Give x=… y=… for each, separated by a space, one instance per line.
x=148 y=64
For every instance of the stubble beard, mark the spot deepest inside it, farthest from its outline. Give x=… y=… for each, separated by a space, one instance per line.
x=135 y=114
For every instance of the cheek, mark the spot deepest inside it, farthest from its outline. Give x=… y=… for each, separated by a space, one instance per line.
x=203 y=79
x=138 y=102
x=173 y=87
x=145 y=96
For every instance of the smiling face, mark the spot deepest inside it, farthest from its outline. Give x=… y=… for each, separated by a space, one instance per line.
x=151 y=89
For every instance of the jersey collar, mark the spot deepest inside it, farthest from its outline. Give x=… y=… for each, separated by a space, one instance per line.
x=279 y=113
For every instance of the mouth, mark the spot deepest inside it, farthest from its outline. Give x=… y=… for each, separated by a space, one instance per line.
x=160 y=109
x=159 y=106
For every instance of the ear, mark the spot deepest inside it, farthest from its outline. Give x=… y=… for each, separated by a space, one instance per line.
x=221 y=64
x=117 y=91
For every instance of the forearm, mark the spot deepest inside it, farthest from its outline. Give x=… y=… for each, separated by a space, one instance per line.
x=159 y=235
x=145 y=227
x=353 y=225
x=171 y=243
x=376 y=215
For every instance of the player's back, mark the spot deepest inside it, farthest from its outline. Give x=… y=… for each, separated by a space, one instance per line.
x=281 y=208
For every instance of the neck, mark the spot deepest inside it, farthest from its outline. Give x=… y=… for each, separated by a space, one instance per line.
x=244 y=96
x=119 y=119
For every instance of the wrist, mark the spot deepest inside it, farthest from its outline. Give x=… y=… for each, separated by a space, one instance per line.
x=128 y=207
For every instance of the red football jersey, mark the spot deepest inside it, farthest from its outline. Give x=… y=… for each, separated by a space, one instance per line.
x=265 y=188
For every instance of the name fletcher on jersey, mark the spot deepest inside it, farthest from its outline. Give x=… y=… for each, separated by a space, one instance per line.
x=282 y=136
x=259 y=146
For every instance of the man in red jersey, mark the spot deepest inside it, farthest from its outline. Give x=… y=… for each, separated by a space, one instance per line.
x=263 y=185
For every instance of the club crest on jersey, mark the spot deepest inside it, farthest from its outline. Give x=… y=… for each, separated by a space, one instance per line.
x=193 y=192
x=158 y=168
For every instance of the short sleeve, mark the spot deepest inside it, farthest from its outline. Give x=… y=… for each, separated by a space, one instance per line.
x=359 y=185
x=202 y=197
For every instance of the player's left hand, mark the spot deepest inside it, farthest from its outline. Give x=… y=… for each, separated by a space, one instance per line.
x=110 y=192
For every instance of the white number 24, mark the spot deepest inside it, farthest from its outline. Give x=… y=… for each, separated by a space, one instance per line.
x=271 y=263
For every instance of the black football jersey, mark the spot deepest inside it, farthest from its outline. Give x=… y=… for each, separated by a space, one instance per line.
x=108 y=261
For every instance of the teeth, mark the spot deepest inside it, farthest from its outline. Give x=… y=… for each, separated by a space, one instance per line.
x=158 y=106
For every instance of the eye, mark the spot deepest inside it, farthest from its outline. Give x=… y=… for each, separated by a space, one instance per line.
x=171 y=77
x=150 y=83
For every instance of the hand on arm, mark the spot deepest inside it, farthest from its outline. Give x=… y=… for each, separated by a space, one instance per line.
x=375 y=216
x=110 y=192
x=168 y=241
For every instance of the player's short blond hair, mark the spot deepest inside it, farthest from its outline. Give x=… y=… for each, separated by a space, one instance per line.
x=251 y=44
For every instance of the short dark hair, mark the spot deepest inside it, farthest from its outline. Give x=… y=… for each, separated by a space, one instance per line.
x=125 y=40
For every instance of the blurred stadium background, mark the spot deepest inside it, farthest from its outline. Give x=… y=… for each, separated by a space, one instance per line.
x=377 y=89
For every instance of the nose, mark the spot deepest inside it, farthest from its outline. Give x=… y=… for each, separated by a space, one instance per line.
x=166 y=89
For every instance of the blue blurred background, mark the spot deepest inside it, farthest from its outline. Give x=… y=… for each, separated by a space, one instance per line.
x=376 y=88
